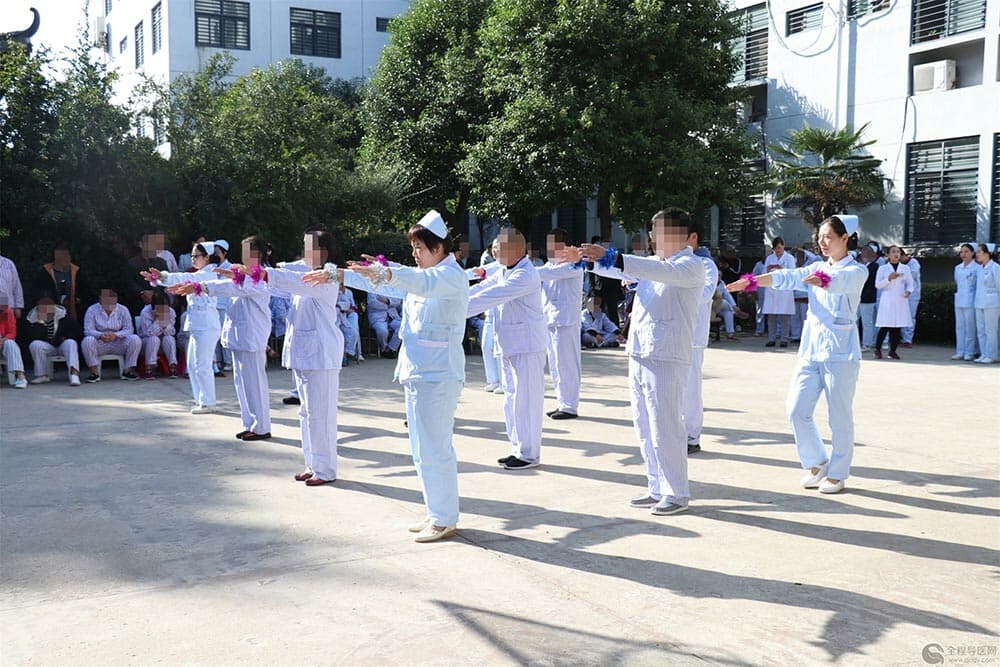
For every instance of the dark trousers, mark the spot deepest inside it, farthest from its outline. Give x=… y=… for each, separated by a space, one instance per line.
x=895 y=333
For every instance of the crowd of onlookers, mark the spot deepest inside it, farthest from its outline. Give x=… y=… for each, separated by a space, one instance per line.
x=67 y=319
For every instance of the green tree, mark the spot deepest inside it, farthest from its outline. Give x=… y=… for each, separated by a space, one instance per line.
x=425 y=101
x=829 y=171
x=625 y=100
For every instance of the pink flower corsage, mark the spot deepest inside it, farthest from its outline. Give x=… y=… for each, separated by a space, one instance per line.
x=198 y=289
x=751 y=282
x=238 y=278
x=256 y=273
x=824 y=279
x=378 y=258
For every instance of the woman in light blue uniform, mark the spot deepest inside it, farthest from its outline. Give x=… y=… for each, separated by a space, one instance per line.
x=431 y=362
x=829 y=351
x=987 y=306
x=966 y=273
x=202 y=323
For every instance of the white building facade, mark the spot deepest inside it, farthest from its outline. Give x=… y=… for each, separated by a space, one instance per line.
x=925 y=76
x=163 y=39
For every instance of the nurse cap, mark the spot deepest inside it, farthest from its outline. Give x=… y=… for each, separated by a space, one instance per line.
x=850 y=222
x=435 y=223
x=224 y=244
x=209 y=247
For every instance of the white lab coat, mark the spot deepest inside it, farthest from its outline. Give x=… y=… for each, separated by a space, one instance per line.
x=893 y=307
x=829 y=361
x=781 y=302
x=521 y=339
x=562 y=285
x=314 y=350
x=660 y=347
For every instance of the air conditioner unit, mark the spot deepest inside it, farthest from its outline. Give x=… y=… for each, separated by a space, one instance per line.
x=100 y=32
x=931 y=77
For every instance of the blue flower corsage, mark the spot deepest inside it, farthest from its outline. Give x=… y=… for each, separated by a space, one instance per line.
x=609 y=259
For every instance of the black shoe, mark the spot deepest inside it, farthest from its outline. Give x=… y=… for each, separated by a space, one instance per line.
x=893 y=355
x=256 y=436
x=130 y=376
x=291 y=400
x=550 y=413
x=769 y=343
x=406 y=423
x=693 y=448
x=559 y=414
x=504 y=460
x=242 y=434
x=784 y=343
x=514 y=463
x=94 y=377
x=388 y=354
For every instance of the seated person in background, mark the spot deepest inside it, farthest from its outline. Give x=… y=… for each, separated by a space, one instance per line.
x=724 y=306
x=11 y=352
x=107 y=329
x=383 y=316
x=158 y=331
x=347 y=320
x=49 y=331
x=63 y=280
x=597 y=330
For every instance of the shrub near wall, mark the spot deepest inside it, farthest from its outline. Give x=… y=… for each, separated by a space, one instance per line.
x=936 y=314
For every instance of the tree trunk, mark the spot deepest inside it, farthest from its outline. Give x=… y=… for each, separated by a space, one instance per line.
x=604 y=212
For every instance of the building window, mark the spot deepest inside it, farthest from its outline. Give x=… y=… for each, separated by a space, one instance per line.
x=315 y=33
x=107 y=7
x=751 y=46
x=856 y=8
x=107 y=40
x=159 y=133
x=995 y=205
x=803 y=18
x=382 y=24
x=934 y=19
x=156 y=22
x=140 y=126
x=941 y=184
x=222 y=24
x=123 y=45
x=140 y=56
x=744 y=226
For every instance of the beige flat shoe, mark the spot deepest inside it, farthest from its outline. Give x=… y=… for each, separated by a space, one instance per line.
x=420 y=525
x=432 y=533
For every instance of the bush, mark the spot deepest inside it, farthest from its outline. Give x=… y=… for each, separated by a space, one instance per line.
x=936 y=314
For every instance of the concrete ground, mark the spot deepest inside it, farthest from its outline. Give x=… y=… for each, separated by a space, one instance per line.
x=134 y=533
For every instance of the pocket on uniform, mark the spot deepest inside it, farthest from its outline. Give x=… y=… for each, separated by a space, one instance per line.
x=306 y=347
x=653 y=336
x=514 y=338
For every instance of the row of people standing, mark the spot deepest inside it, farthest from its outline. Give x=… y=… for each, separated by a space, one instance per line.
x=977 y=305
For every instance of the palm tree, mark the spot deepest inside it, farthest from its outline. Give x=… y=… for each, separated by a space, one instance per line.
x=828 y=171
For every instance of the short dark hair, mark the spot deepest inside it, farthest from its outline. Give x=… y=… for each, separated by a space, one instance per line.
x=60 y=245
x=257 y=243
x=45 y=298
x=777 y=240
x=430 y=240
x=113 y=291
x=969 y=246
x=559 y=235
x=159 y=299
x=674 y=217
x=596 y=238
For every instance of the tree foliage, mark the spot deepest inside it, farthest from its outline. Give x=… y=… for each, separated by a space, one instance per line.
x=829 y=171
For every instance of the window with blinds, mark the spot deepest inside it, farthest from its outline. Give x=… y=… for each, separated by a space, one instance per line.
x=107 y=7
x=744 y=226
x=803 y=18
x=856 y=8
x=315 y=33
x=995 y=202
x=942 y=178
x=156 y=26
x=140 y=42
x=382 y=24
x=934 y=19
x=222 y=23
x=751 y=46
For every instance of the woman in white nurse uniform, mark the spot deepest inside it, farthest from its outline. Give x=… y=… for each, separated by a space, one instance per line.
x=895 y=283
x=780 y=305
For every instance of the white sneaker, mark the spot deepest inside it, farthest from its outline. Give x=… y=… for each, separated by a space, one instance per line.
x=957 y=357
x=202 y=409
x=969 y=357
x=74 y=380
x=811 y=481
x=41 y=379
x=831 y=487
x=984 y=360
x=498 y=390
x=492 y=386
x=21 y=383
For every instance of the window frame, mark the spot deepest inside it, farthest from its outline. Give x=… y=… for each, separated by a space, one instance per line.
x=382 y=23
x=936 y=19
x=995 y=200
x=309 y=40
x=123 y=45
x=801 y=19
x=752 y=44
x=156 y=27
x=935 y=186
x=222 y=20
x=140 y=45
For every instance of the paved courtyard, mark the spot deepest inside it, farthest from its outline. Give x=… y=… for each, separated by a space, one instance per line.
x=134 y=533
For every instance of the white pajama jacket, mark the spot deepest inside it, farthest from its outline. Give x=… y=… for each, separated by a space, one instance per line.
x=157 y=336
x=314 y=351
x=562 y=287
x=491 y=363
x=202 y=323
x=660 y=344
x=431 y=368
x=829 y=361
x=245 y=331
x=521 y=340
